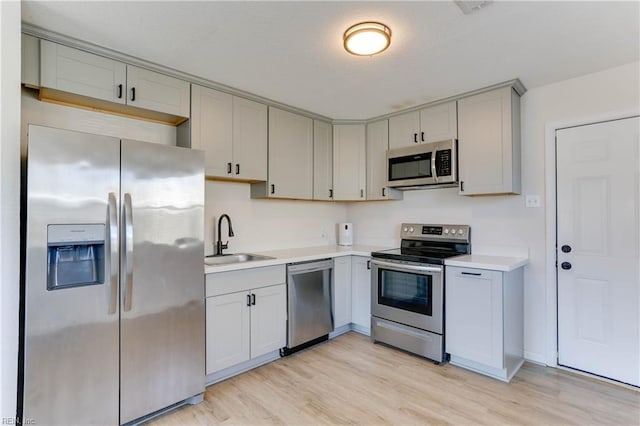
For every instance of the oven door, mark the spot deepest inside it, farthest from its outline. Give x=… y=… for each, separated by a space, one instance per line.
x=408 y=293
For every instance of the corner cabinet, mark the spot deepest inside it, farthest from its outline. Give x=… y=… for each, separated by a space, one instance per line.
x=77 y=77
x=232 y=132
x=341 y=291
x=290 y=157
x=361 y=294
x=349 y=162
x=322 y=161
x=377 y=146
x=246 y=318
x=489 y=143
x=484 y=320
x=432 y=124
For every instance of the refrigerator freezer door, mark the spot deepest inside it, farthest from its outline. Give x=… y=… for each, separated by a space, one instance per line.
x=71 y=332
x=162 y=294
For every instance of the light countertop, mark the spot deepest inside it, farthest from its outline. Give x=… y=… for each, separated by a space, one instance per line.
x=295 y=255
x=494 y=263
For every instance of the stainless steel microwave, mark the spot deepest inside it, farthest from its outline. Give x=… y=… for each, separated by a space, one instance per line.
x=423 y=165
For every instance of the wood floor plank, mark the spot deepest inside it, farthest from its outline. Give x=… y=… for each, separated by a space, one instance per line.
x=350 y=381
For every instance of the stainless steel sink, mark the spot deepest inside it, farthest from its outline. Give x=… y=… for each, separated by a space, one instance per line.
x=234 y=258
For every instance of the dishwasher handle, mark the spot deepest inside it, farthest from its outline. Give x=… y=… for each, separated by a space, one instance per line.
x=311 y=266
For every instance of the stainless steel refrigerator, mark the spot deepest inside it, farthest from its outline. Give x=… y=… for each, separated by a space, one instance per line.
x=114 y=280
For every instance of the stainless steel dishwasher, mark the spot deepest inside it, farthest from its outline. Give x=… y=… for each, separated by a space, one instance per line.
x=309 y=290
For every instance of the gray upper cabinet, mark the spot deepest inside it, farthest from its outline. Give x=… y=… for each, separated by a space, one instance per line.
x=432 y=124
x=377 y=146
x=74 y=73
x=349 y=162
x=232 y=132
x=290 y=157
x=322 y=161
x=489 y=143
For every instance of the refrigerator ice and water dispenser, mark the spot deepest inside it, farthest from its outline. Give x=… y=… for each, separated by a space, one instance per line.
x=75 y=255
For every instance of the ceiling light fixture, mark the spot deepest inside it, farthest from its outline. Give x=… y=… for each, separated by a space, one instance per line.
x=367 y=38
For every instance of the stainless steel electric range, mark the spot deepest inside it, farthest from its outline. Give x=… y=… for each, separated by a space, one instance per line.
x=407 y=294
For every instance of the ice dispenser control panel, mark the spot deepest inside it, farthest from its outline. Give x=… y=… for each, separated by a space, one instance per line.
x=75 y=255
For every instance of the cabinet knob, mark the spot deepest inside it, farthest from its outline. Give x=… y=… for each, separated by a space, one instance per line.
x=229 y=168
x=362 y=193
x=566 y=249
x=238 y=168
x=331 y=193
x=273 y=188
x=422 y=136
x=415 y=138
x=566 y=266
x=461 y=186
x=119 y=91
x=133 y=94
x=384 y=192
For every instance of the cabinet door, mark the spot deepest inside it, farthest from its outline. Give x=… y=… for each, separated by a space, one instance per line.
x=74 y=71
x=227 y=330
x=157 y=92
x=488 y=151
x=268 y=319
x=290 y=155
x=474 y=315
x=439 y=123
x=341 y=291
x=404 y=130
x=249 y=140
x=349 y=162
x=211 y=129
x=361 y=292
x=377 y=146
x=322 y=161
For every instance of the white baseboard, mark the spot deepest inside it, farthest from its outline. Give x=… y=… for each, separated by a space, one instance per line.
x=536 y=358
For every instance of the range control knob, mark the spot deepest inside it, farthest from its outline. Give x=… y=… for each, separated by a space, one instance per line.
x=460 y=232
x=411 y=229
x=446 y=230
x=405 y=229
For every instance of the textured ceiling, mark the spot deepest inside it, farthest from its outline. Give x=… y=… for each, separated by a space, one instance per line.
x=292 y=52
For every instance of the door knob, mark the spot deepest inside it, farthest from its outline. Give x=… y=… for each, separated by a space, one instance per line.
x=566 y=249
x=565 y=265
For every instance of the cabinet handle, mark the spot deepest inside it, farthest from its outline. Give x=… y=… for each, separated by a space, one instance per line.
x=229 y=168
x=383 y=192
x=331 y=193
x=362 y=193
x=422 y=136
x=475 y=274
x=119 y=91
x=273 y=189
x=133 y=94
x=415 y=138
x=461 y=186
x=248 y=300
x=253 y=299
x=238 y=168
x=368 y=264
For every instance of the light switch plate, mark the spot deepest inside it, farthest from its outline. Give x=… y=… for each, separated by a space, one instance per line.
x=532 y=200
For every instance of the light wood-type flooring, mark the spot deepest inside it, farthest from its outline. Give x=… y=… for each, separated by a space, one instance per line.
x=349 y=380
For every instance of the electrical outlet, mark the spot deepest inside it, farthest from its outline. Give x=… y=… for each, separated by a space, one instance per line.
x=532 y=201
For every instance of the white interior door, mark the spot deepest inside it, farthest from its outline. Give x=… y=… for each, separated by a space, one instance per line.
x=598 y=255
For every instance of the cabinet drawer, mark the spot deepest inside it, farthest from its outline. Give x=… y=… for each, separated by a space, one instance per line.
x=244 y=279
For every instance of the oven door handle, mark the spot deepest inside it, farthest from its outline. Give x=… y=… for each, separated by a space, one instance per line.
x=406 y=267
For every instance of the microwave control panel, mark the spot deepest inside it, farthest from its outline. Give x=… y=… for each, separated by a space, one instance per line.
x=443 y=162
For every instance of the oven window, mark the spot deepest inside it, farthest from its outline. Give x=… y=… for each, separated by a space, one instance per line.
x=410 y=167
x=405 y=290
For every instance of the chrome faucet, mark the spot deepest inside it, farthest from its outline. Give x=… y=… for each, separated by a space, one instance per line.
x=219 y=245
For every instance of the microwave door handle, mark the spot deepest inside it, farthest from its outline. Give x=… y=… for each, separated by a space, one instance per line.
x=434 y=172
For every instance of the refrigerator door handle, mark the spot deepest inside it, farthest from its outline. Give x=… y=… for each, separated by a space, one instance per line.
x=112 y=227
x=128 y=252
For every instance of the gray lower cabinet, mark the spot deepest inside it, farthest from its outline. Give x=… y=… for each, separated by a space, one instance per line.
x=361 y=294
x=484 y=320
x=246 y=316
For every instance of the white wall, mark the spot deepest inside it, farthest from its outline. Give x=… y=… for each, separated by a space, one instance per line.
x=9 y=202
x=503 y=222
x=268 y=224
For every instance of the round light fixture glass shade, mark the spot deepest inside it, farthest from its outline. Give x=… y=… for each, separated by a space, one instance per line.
x=367 y=38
